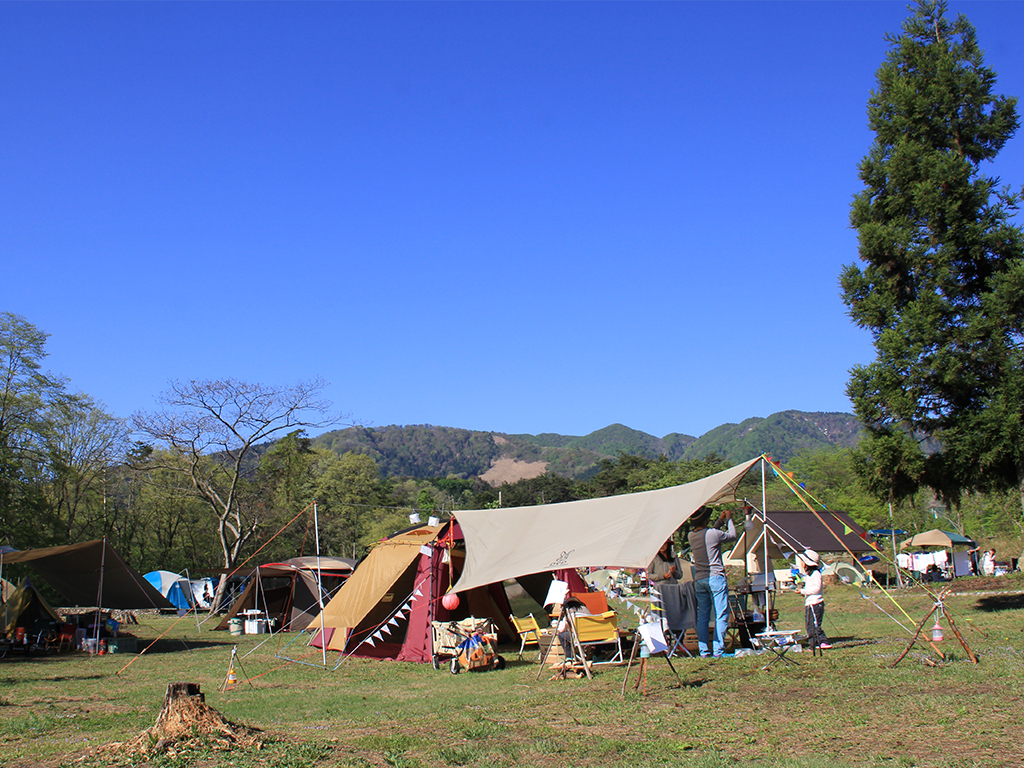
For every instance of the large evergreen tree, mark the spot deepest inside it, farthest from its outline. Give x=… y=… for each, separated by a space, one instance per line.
x=941 y=287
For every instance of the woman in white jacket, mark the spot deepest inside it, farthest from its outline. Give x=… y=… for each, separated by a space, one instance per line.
x=813 y=591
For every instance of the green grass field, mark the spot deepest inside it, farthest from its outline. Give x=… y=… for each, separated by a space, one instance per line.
x=847 y=708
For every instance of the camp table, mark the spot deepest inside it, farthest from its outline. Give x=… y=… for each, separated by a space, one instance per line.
x=777 y=642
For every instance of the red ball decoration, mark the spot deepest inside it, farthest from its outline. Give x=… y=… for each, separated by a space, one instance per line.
x=450 y=601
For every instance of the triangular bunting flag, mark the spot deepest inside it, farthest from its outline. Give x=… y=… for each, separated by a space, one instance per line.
x=377 y=635
x=385 y=629
x=369 y=641
x=393 y=622
x=417 y=593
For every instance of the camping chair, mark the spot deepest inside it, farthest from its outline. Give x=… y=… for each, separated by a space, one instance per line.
x=66 y=634
x=529 y=632
x=600 y=630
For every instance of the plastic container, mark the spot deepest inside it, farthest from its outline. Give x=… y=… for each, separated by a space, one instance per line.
x=235 y=626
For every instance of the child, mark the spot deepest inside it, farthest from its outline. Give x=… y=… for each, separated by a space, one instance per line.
x=814 y=600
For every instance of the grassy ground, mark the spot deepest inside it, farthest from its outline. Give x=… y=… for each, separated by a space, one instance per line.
x=848 y=708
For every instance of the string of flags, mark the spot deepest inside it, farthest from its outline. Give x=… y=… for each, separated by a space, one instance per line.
x=391 y=623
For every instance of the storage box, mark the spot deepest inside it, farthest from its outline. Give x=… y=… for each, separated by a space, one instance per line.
x=122 y=644
x=255 y=626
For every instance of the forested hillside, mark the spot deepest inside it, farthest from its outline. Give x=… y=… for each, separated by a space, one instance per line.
x=423 y=451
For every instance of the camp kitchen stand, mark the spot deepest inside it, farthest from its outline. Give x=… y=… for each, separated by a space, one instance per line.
x=468 y=643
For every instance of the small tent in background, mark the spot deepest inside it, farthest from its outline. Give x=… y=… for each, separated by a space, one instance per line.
x=288 y=591
x=386 y=607
x=957 y=545
x=175 y=587
x=29 y=609
x=795 y=531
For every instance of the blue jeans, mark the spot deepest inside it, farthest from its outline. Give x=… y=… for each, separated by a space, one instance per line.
x=712 y=593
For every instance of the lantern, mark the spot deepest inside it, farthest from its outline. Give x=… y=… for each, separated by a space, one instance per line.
x=450 y=601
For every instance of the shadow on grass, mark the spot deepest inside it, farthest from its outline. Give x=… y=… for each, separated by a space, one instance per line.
x=175 y=645
x=995 y=603
x=697 y=683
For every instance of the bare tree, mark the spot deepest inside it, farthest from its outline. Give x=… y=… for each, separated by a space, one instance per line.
x=209 y=429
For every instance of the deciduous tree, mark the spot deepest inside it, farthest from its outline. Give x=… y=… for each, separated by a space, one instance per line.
x=209 y=429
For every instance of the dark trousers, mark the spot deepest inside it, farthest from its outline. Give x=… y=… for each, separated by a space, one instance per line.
x=813 y=614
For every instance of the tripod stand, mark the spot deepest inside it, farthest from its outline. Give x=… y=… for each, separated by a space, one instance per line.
x=940 y=608
x=231 y=677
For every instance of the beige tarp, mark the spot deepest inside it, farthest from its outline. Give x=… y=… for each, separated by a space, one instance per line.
x=615 y=531
x=937 y=538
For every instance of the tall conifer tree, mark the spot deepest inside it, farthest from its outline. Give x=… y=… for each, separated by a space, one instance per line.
x=941 y=284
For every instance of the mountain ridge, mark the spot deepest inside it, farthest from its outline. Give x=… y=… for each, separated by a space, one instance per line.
x=426 y=451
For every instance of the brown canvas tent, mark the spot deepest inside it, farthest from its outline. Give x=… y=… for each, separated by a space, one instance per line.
x=289 y=591
x=27 y=608
x=385 y=608
x=90 y=574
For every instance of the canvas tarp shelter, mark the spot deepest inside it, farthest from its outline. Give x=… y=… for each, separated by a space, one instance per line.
x=385 y=608
x=27 y=608
x=962 y=565
x=795 y=531
x=937 y=538
x=623 y=531
x=77 y=572
x=287 y=591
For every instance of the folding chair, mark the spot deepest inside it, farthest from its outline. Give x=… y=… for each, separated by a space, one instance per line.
x=529 y=633
x=601 y=630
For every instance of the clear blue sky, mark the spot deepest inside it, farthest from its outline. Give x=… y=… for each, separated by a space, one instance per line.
x=500 y=216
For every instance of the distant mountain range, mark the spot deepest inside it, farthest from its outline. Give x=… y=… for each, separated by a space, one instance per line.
x=424 y=451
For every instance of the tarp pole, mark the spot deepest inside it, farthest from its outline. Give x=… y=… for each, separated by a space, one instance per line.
x=3 y=592
x=892 y=534
x=99 y=594
x=768 y=568
x=190 y=596
x=319 y=582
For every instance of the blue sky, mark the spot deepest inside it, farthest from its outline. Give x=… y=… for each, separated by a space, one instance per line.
x=517 y=217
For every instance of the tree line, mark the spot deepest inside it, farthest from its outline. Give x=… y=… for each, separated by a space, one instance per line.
x=224 y=471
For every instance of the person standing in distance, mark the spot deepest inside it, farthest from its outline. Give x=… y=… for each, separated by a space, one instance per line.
x=709 y=578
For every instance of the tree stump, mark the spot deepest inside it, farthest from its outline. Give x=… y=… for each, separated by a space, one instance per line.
x=184 y=716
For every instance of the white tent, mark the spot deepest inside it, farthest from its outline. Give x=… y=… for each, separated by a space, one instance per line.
x=615 y=531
